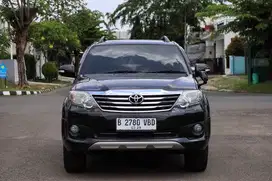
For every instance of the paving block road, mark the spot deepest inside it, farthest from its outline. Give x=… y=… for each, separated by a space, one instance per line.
x=240 y=150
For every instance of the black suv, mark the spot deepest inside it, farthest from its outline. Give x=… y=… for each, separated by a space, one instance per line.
x=139 y=95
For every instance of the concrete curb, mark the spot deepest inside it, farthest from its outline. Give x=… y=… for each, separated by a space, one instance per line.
x=220 y=90
x=23 y=92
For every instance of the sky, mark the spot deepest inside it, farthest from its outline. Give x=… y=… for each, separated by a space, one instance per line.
x=106 y=6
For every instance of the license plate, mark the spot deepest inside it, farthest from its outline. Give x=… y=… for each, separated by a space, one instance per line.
x=131 y=124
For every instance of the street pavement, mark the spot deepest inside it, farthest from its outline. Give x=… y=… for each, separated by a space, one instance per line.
x=240 y=150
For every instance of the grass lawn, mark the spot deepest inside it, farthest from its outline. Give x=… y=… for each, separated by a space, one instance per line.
x=240 y=84
x=32 y=87
x=54 y=81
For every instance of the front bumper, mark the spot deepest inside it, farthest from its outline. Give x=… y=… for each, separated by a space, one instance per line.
x=179 y=145
x=98 y=131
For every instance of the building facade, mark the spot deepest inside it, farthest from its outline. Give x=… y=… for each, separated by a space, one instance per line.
x=122 y=34
x=217 y=45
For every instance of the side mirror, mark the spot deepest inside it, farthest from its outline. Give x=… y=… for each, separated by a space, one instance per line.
x=202 y=67
x=202 y=74
x=67 y=71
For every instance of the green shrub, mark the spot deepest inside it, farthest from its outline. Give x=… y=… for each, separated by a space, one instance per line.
x=236 y=47
x=4 y=55
x=50 y=71
x=30 y=62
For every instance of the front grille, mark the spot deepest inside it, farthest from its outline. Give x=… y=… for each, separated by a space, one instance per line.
x=151 y=103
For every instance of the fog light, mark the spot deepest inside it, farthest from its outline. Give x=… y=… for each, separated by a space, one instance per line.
x=74 y=129
x=198 y=128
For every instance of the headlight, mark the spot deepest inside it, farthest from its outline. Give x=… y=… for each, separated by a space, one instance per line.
x=82 y=99
x=189 y=98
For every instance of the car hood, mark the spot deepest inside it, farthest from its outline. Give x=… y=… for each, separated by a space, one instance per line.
x=131 y=81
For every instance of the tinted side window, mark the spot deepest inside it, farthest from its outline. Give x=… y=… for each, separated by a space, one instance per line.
x=140 y=58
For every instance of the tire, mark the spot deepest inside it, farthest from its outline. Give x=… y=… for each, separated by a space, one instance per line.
x=196 y=161
x=74 y=162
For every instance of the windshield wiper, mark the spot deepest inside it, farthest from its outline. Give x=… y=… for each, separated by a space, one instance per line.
x=122 y=71
x=169 y=71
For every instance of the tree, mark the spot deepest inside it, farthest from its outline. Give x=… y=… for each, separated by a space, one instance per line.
x=137 y=29
x=236 y=47
x=21 y=13
x=155 y=18
x=87 y=25
x=251 y=19
x=53 y=36
x=4 y=43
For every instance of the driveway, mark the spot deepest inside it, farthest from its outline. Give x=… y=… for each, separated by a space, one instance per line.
x=240 y=150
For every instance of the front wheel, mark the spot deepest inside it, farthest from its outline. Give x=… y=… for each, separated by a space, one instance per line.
x=74 y=162
x=196 y=161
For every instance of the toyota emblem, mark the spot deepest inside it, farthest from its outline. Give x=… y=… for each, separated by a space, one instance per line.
x=136 y=99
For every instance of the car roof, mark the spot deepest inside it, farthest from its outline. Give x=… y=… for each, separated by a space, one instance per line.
x=133 y=42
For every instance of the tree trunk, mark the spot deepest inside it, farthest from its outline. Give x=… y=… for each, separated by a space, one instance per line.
x=21 y=41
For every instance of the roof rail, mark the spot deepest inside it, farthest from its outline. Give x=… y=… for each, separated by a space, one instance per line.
x=165 y=38
x=102 y=39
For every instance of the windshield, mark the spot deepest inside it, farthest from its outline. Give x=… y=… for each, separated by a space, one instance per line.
x=105 y=59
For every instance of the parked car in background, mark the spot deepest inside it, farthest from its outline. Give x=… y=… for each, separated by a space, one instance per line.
x=202 y=66
x=67 y=70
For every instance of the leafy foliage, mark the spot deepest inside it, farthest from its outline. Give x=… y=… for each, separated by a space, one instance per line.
x=4 y=43
x=154 y=18
x=236 y=47
x=20 y=14
x=252 y=19
x=86 y=24
x=58 y=9
x=53 y=35
x=50 y=71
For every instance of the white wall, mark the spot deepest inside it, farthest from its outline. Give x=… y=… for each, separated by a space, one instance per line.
x=12 y=72
x=228 y=37
x=29 y=48
x=209 y=52
x=219 y=48
x=222 y=41
x=227 y=41
x=122 y=34
x=40 y=61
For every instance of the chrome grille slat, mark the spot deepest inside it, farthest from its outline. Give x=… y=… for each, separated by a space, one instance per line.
x=136 y=107
x=128 y=103
x=160 y=98
x=114 y=98
x=121 y=103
